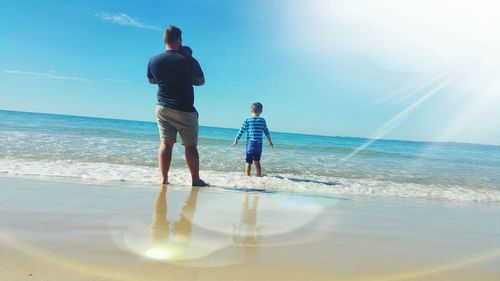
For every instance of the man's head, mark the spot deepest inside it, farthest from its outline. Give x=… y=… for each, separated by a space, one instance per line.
x=256 y=108
x=172 y=37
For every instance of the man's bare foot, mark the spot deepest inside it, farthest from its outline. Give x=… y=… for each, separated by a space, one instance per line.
x=164 y=181
x=200 y=182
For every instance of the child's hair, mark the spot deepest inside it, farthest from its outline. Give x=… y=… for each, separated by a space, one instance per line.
x=256 y=107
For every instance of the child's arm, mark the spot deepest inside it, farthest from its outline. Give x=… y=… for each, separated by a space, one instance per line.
x=270 y=141
x=243 y=128
x=268 y=135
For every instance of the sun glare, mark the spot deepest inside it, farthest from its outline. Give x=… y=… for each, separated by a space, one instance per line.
x=455 y=44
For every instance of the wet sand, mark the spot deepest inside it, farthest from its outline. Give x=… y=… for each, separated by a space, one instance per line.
x=73 y=231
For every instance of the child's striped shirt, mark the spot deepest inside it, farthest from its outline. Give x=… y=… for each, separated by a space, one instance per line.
x=254 y=126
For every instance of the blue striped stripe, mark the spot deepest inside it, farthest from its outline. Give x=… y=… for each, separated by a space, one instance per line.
x=254 y=127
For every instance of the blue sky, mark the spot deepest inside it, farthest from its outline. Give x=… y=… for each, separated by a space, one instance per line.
x=380 y=69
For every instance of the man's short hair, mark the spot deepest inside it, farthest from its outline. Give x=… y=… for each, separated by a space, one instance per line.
x=256 y=107
x=171 y=34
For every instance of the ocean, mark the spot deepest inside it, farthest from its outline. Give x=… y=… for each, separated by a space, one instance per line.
x=110 y=150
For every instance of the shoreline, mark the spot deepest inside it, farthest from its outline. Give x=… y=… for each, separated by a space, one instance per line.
x=75 y=231
x=257 y=184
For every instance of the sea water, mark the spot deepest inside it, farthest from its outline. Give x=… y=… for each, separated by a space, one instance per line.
x=108 y=150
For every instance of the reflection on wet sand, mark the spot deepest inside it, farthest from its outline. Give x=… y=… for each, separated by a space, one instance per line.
x=171 y=238
x=249 y=220
x=247 y=232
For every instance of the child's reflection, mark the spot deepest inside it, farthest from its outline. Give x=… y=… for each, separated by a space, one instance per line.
x=181 y=230
x=247 y=233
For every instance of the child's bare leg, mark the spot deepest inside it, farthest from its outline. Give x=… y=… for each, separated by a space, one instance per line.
x=258 y=170
x=248 y=169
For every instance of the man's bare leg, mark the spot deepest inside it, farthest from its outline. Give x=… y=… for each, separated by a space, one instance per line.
x=193 y=162
x=248 y=169
x=164 y=159
x=258 y=170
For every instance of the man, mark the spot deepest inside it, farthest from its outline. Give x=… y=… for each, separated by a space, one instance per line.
x=175 y=72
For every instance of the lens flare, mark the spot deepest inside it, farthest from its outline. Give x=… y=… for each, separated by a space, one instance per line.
x=398 y=118
x=158 y=253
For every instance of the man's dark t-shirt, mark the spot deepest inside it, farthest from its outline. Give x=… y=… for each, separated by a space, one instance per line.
x=175 y=75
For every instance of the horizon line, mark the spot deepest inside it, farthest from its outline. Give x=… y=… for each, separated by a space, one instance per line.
x=281 y=132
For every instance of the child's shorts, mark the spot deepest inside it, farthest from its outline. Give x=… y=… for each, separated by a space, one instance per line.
x=254 y=151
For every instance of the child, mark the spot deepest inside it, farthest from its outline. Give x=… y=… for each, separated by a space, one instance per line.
x=254 y=126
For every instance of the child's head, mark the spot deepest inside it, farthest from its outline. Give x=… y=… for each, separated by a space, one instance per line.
x=256 y=108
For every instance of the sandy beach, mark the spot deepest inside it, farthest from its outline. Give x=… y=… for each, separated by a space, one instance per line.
x=58 y=230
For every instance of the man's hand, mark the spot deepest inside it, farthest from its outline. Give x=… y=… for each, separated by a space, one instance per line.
x=199 y=81
x=235 y=143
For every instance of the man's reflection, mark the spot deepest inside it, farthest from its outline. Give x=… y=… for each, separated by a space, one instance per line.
x=180 y=230
x=247 y=233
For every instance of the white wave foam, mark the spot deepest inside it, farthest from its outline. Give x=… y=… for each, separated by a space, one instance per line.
x=106 y=172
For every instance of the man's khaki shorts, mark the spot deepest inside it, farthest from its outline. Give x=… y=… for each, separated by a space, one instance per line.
x=171 y=121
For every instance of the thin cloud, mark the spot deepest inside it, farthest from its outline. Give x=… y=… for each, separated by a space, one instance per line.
x=124 y=19
x=118 y=80
x=51 y=75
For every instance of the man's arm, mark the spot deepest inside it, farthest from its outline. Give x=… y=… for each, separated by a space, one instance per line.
x=151 y=79
x=198 y=76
